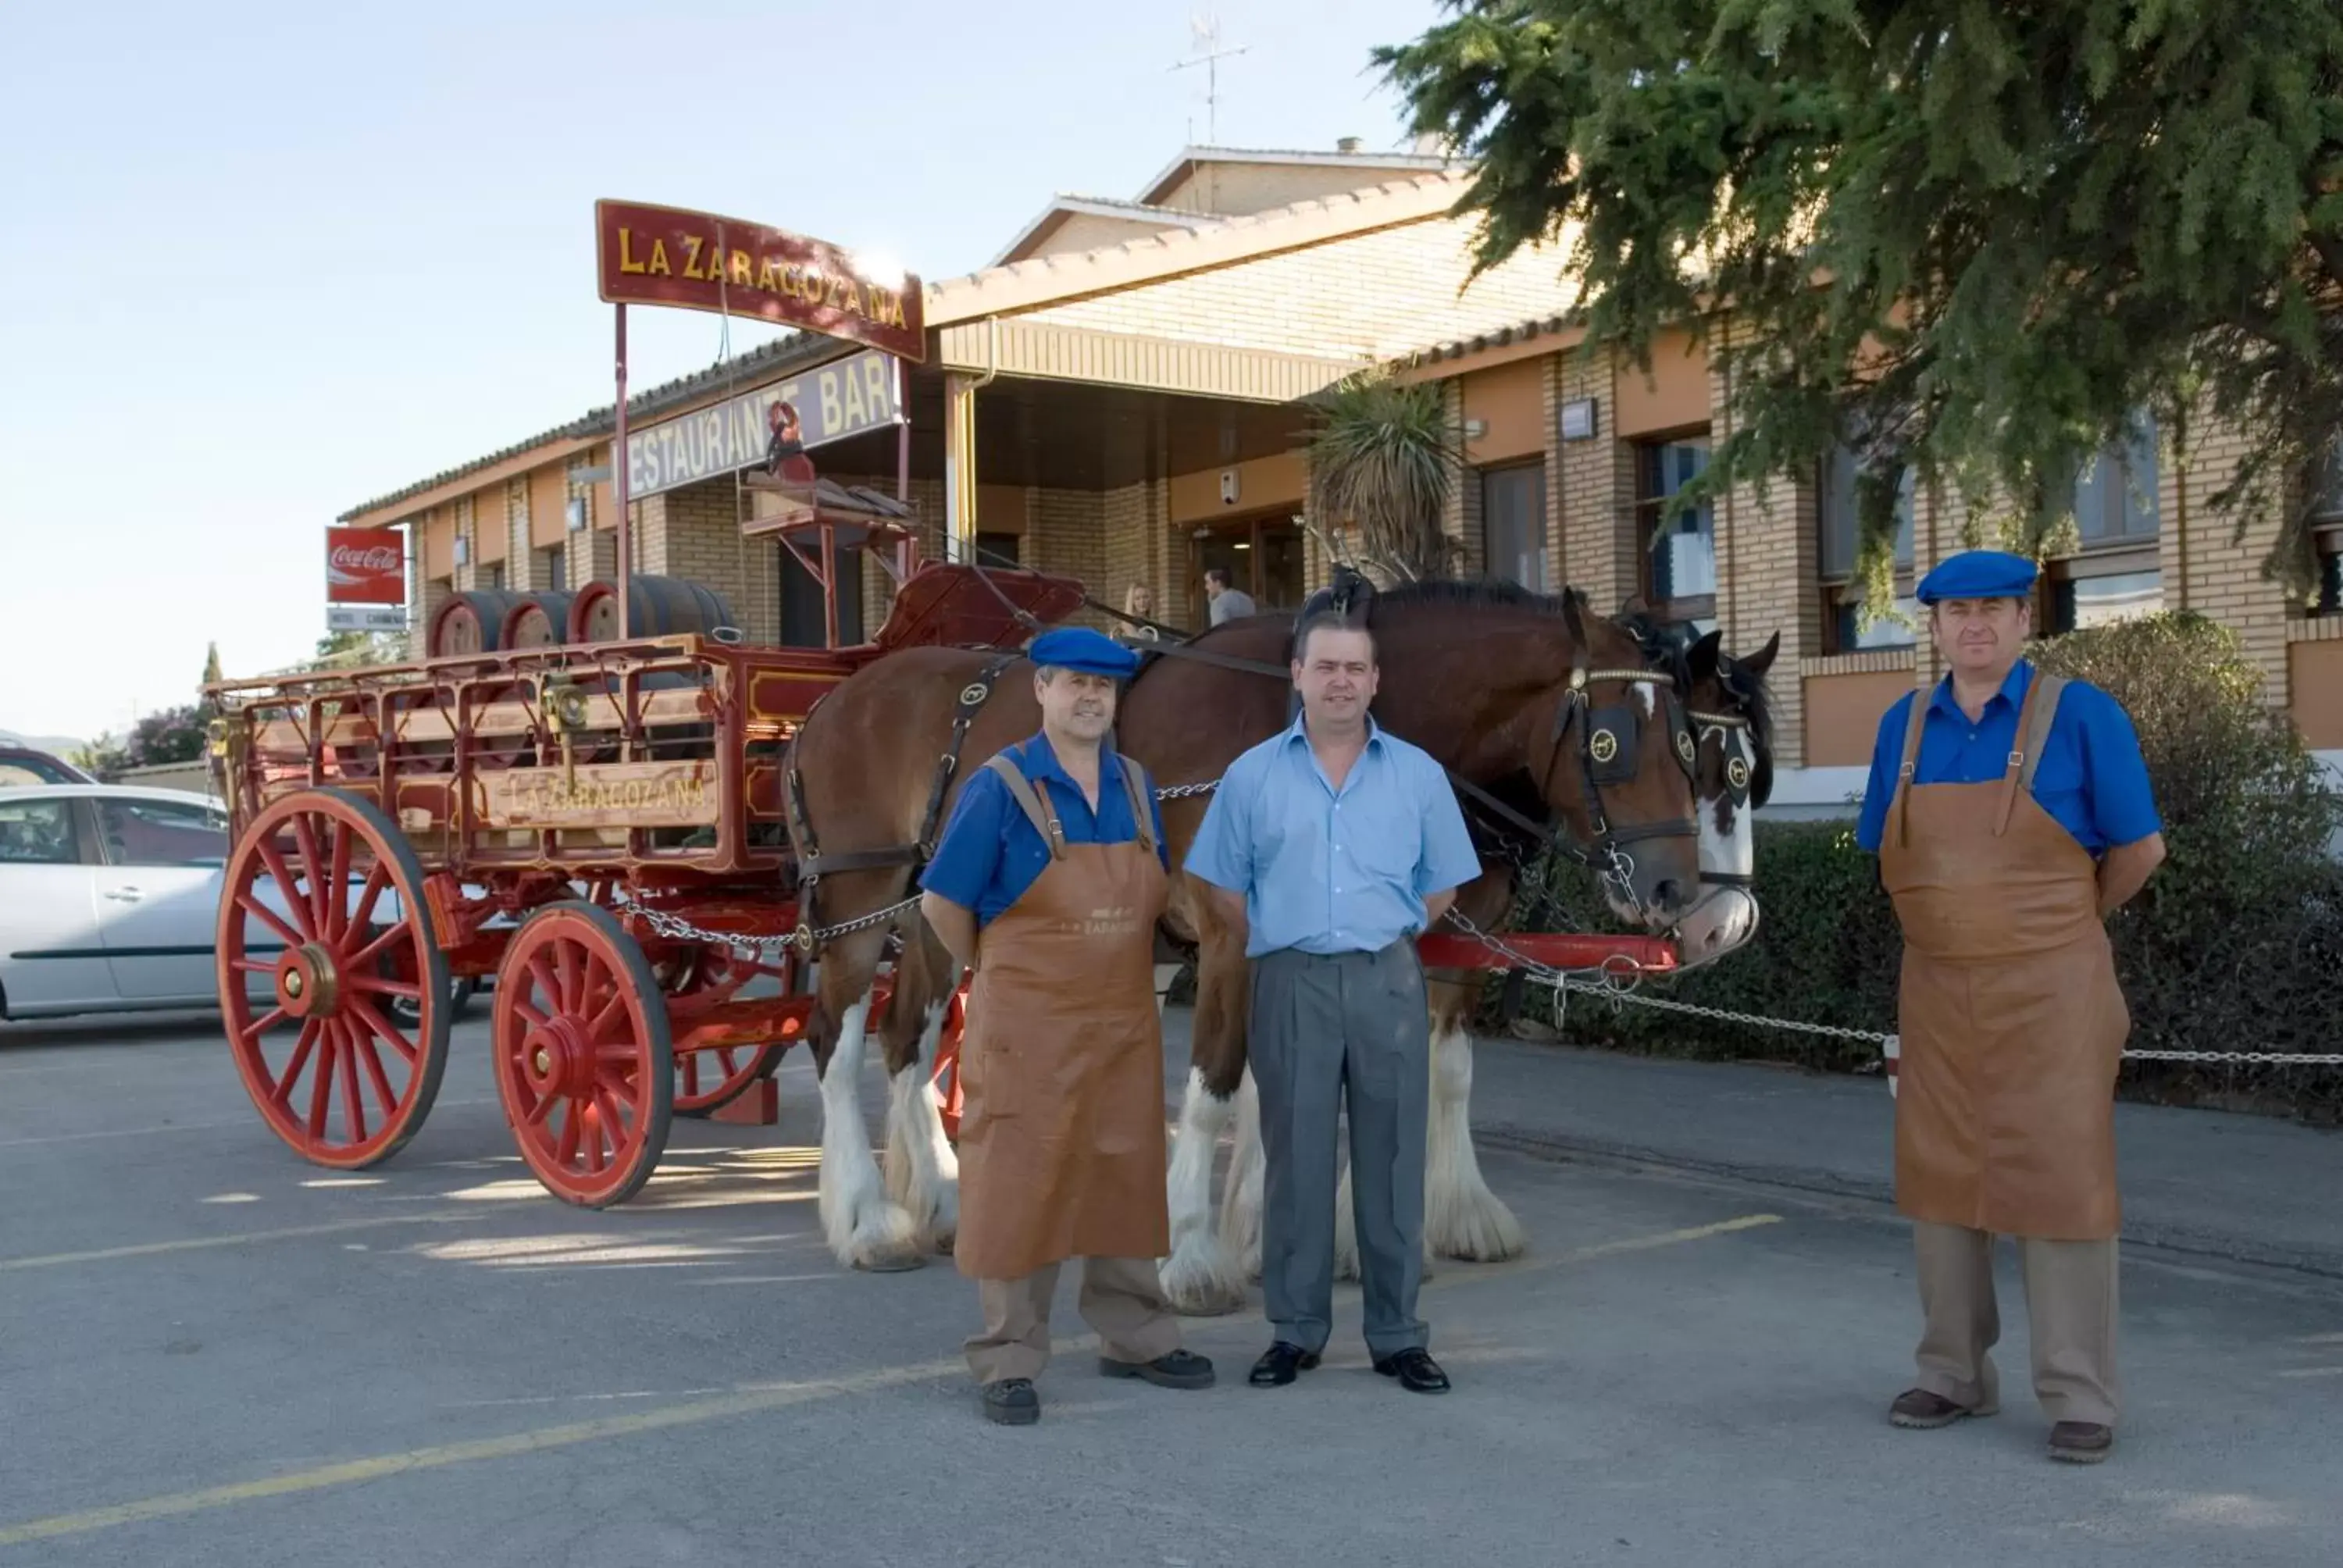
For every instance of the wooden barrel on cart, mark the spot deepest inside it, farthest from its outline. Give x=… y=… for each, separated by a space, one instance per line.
x=469 y=622
x=540 y=619
x=658 y=606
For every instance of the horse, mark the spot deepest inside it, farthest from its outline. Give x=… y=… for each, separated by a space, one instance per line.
x=1495 y=682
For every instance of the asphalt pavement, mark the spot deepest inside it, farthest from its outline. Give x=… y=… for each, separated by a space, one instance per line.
x=212 y=1352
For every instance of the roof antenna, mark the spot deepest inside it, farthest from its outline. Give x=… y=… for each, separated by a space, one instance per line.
x=1205 y=30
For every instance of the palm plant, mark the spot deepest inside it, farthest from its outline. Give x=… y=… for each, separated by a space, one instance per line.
x=1382 y=457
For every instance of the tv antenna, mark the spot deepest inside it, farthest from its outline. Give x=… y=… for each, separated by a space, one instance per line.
x=1205 y=30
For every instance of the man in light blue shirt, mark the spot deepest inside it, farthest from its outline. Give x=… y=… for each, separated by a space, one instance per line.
x=1332 y=846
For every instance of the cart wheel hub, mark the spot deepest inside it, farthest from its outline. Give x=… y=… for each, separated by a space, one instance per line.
x=307 y=985
x=558 y=1059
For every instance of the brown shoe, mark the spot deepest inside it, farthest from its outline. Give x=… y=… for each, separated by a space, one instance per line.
x=1922 y=1410
x=2081 y=1441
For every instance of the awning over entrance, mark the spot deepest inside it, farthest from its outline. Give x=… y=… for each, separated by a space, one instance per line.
x=1054 y=352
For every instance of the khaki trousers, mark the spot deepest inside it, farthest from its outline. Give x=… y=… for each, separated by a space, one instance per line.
x=2070 y=1313
x=1122 y=1299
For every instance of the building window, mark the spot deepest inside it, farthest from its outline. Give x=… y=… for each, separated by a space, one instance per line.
x=2327 y=534
x=555 y=570
x=1512 y=525
x=2118 y=573
x=999 y=550
x=2115 y=497
x=1843 y=628
x=1680 y=569
x=492 y=575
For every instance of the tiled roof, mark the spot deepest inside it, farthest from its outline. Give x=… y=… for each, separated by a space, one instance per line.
x=1495 y=337
x=1189 y=156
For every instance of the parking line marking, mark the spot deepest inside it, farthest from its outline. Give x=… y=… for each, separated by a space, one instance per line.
x=748 y=1401
x=180 y=1126
x=242 y=1239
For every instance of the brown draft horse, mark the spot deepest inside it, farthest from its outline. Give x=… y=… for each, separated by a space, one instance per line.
x=1502 y=687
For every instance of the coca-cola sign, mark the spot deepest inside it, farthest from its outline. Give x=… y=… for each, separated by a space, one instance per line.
x=366 y=565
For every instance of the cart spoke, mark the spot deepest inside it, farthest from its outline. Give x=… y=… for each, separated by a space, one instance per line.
x=362 y=913
x=253 y=965
x=570 y=1128
x=263 y=1024
x=384 y=1029
x=363 y=959
x=371 y=1059
x=566 y=959
x=528 y=1015
x=612 y=1010
x=540 y=975
x=540 y=1110
x=268 y=916
x=321 y=1096
x=283 y=1093
x=336 y=921
x=296 y=903
x=689 y=1064
x=598 y=1130
x=313 y=865
x=353 y=1110
x=380 y=985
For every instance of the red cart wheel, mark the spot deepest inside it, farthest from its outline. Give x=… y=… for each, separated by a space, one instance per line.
x=353 y=1084
x=583 y=1062
x=708 y=1080
x=947 y=1078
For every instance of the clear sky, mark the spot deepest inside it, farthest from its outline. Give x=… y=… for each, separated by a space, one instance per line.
x=259 y=263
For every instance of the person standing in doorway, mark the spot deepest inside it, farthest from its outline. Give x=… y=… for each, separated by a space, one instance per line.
x=1048 y=879
x=2012 y=814
x=1229 y=602
x=1332 y=847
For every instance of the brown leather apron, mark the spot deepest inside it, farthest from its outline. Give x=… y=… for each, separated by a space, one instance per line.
x=1062 y=1141
x=2013 y=1024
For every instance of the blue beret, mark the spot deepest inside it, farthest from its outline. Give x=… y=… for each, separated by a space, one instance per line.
x=1079 y=649
x=1979 y=574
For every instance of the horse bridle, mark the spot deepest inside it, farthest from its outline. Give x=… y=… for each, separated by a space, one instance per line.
x=1734 y=733
x=1609 y=739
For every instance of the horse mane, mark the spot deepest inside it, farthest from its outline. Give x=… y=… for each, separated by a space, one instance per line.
x=1484 y=593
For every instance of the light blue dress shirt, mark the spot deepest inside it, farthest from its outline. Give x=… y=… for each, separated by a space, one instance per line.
x=1329 y=871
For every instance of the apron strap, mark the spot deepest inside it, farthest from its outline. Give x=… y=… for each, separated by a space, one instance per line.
x=2037 y=733
x=1045 y=821
x=1136 y=785
x=1921 y=698
x=2033 y=727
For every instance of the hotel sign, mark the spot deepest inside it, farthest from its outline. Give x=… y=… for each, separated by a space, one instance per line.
x=829 y=403
x=699 y=261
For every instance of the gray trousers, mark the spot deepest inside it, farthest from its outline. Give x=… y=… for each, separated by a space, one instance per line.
x=2071 y=1305
x=1327 y=1033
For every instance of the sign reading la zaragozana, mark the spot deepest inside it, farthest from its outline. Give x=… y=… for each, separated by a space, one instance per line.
x=366 y=565
x=815 y=408
x=699 y=261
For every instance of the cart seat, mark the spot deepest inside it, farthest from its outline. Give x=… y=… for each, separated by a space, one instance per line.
x=948 y=604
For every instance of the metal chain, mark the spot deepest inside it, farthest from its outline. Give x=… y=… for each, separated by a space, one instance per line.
x=1618 y=986
x=1177 y=791
x=675 y=927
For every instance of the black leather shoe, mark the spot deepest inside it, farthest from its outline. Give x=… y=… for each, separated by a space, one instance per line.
x=1279 y=1363
x=1011 y=1401
x=1174 y=1369
x=1416 y=1371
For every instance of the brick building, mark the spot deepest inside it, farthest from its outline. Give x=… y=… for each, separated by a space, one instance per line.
x=1118 y=397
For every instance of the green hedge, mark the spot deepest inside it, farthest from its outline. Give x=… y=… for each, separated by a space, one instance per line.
x=2235 y=944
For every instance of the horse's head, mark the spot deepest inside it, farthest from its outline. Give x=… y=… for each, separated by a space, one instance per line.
x=1614 y=763
x=1733 y=772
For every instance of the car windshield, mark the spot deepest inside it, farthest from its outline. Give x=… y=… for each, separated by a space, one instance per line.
x=18 y=769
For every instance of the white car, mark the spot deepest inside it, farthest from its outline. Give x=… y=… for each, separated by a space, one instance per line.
x=109 y=898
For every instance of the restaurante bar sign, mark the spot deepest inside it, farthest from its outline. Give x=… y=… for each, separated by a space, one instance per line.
x=699 y=261
x=812 y=409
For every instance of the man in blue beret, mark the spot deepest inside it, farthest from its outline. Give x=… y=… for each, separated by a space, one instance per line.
x=2011 y=812
x=1048 y=879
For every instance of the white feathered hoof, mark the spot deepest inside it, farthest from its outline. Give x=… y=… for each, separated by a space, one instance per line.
x=1472 y=1223
x=1199 y=1279
x=887 y=1241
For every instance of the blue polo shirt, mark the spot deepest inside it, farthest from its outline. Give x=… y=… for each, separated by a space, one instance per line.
x=990 y=852
x=2092 y=779
x=1329 y=871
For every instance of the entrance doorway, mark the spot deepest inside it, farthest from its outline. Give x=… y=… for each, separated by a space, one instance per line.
x=803 y=613
x=1262 y=556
